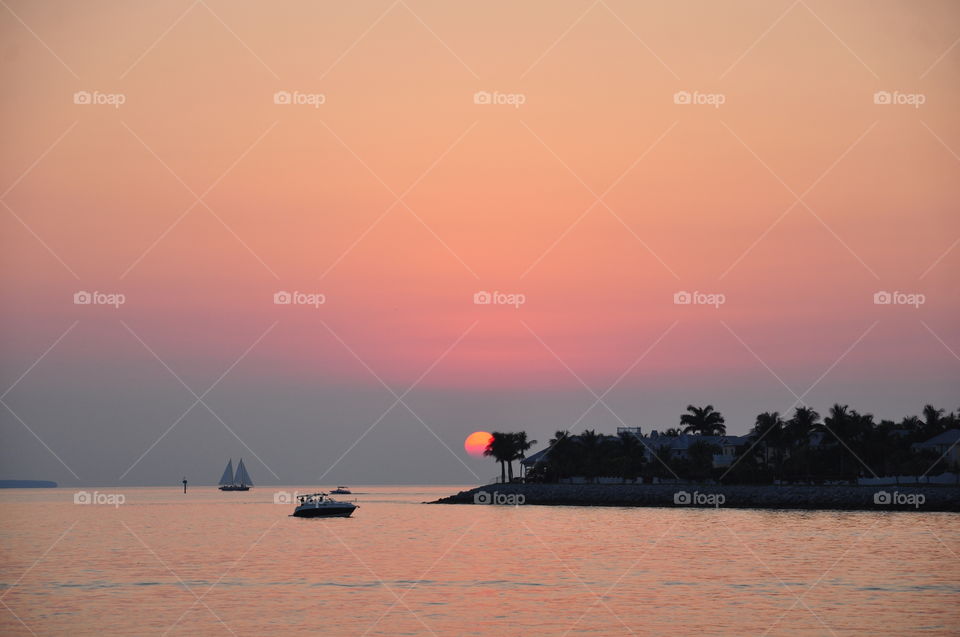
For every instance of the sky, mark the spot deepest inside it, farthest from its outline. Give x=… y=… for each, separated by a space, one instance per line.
x=789 y=168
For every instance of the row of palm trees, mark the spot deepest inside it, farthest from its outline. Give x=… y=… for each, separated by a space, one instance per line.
x=849 y=444
x=591 y=455
x=803 y=447
x=507 y=447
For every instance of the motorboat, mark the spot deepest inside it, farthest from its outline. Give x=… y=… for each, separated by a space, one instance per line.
x=321 y=505
x=342 y=490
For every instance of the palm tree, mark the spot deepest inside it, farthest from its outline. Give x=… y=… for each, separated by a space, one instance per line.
x=519 y=447
x=847 y=427
x=500 y=449
x=769 y=428
x=932 y=418
x=839 y=420
x=912 y=424
x=561 y=456
x=630 y=457
x=704 y=421
x=797 y=432
x=590 y=446
x=801 y=425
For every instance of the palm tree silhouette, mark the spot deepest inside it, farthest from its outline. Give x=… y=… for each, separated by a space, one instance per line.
x=519 y=445
x=797 y=432
x=703 y=420
x=562 y=454
x=590 y=447
x=631 y=456
x=932 y=418
x=848 y=427
x=500 y=449
x=770 y=428
x=801 y=425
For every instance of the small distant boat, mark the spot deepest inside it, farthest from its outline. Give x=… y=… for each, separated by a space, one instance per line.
x=239 y=481
x=320 y=505
x=342 y=490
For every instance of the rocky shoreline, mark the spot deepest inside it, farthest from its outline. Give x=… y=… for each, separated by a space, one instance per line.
x=925 y=498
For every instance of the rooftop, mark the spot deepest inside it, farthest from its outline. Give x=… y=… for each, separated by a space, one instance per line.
x=948 y=437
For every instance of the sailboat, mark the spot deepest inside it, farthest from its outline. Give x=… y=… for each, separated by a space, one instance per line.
x=239 y=481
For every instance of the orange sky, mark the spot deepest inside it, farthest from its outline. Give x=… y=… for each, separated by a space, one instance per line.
x=493 y=198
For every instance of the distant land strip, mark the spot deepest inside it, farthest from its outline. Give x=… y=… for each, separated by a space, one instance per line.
x=27 y=484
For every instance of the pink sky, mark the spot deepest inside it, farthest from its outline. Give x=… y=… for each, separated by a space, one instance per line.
x=698 y=200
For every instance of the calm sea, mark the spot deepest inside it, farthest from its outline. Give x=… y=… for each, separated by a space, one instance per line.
x=211 y=563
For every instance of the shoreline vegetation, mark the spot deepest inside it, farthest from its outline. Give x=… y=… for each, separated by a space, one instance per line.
x=845 y=460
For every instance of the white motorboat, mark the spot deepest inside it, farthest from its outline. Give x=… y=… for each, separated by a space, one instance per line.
x=321 y=505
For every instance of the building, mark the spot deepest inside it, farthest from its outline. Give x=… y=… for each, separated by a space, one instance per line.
x=946 y=444
x=679 y=446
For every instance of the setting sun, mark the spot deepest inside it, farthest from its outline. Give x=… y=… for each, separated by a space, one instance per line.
x=477 y=442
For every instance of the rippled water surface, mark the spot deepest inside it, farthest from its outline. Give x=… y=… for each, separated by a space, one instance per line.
x=210 y=563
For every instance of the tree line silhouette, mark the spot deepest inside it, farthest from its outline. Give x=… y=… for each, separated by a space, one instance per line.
x=841 y=447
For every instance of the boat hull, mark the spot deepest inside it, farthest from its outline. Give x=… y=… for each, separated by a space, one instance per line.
x=323 y=512
x=234 y=488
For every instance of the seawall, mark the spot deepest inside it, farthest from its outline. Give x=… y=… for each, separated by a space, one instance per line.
x=925 y=498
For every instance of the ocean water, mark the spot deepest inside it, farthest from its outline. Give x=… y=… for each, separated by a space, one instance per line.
x=212 y=563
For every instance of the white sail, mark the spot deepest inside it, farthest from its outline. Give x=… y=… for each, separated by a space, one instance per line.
x=242 y=476
x=227 y=477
